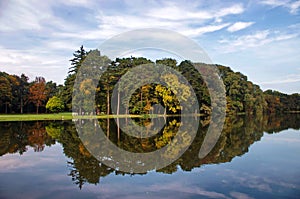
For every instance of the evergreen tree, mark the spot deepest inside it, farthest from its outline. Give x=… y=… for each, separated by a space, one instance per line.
x=76 y=62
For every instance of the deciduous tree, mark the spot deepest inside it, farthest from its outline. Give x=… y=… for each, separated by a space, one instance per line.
x=55 y=105
x=38 y=92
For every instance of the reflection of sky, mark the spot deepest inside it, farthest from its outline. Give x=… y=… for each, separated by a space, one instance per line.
x=269 y=170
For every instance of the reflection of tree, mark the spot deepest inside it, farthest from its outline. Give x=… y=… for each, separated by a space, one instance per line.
x=83 y=167
x=238 y=134
x=12 y=140
x=38 y=137
x=276 y=123
x=16 y=136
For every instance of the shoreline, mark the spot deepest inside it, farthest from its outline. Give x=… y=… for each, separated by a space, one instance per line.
x=69 y=116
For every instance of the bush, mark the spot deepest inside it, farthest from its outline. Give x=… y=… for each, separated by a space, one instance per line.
x=55 y=105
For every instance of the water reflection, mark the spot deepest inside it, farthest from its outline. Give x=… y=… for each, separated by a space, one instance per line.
x=16 y=137
x=238 y=135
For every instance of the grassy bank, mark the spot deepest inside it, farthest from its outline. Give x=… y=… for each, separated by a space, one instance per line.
x=68 y=116
x=53 y=116
x=33 y=117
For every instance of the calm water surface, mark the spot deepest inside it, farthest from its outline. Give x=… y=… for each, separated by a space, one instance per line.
x=253 y=158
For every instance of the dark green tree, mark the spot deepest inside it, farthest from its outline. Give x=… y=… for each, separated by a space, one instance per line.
x=76 y=62
x=5 y=92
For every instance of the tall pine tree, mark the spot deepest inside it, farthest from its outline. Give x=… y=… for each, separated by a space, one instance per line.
x=76 y=62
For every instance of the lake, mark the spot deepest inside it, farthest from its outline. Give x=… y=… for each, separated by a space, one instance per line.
x=254 y=157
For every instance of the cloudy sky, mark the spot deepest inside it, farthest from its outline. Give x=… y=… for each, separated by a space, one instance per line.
x=258 y=38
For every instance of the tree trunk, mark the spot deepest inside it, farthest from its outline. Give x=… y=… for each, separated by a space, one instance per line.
x=126 y=119
x=118 y=106
x=118 y=126
x=141 y=102
x=165 y=113
x=108 y=105
x=21 y=104
x=107 y=129
x=37 y=109
x=5 y=107
x=118 y=111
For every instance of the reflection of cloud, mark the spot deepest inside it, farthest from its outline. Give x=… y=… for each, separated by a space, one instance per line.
x=172 y=190
x=283 y=140
x=30 y=160
x=239 y=195
x=259 y=183
x=176 y=186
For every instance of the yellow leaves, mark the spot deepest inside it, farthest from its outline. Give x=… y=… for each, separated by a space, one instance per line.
x=168 y=133
x=168 y=98
x=148 y=106
x=83 y=150
x=170 y=80
x=175 y=92
x=87 y=87
x=174 y=123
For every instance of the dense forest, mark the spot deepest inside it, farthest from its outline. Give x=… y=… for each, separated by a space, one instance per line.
x=19 y=95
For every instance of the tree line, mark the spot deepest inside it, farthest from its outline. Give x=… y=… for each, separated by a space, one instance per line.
x=18 y=95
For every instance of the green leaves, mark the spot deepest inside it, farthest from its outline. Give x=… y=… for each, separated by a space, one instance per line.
x=55 y=105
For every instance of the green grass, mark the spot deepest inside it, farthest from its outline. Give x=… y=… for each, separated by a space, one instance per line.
x=68 y=116
x=33 y=117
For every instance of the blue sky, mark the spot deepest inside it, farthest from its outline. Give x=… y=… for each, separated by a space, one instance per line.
x=258 y=38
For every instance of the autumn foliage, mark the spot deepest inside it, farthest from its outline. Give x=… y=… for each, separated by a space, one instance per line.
x=38 y=93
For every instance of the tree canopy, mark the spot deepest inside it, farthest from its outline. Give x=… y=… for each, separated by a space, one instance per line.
x=18 y=95
x=55 y=105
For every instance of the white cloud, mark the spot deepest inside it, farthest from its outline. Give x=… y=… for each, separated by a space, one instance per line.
x=256 y=39
x=245 y=41
x=33 y=16
x=292 y=6
x=57 y=45
x=36 y=62
x=239 y=26
x=235 y=9
x=287 y=79
x=173 y=17
x=81 y=3
x=176 y=12
x=40 y=18
x=204 y=29
x=25 y=17
x=50 y=35
x=274 y=3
